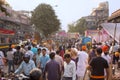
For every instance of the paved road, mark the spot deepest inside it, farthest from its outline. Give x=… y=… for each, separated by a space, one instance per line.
x=115 y=77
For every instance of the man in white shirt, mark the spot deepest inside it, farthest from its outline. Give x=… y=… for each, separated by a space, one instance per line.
x=82 y=63
x=29 y=52
x=105 y=54
x=10 y=59
x=69 y=68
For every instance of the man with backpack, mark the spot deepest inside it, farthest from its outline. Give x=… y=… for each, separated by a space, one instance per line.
x=18 y=56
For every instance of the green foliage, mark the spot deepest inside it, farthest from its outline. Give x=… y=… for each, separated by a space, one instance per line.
x=80 y=26
x=71 y=28
x=45 y=20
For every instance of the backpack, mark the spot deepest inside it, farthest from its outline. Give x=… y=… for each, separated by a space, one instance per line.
x=18 y=57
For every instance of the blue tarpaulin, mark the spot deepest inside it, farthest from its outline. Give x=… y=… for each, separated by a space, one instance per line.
x=85 y=40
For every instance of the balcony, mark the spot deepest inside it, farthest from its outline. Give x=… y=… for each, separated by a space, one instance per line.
x=15 y=20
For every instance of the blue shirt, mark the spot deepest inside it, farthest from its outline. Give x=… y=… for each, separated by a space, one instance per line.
x=34 y=50
x=43 y=60
x=26 y=67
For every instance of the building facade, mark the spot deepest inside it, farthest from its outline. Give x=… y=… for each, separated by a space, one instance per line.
x=98 y=15
x=115 y=17
x=15 y=26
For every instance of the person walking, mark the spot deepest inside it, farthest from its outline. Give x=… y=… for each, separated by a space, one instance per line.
x=1 y=61
x=34 y=49
x=43 y=59
x=59 y=59
x=18 y=56
x=82 y=63
x=92 y=53
x=106 y=56
x=22 y=49
x=30 y=52
x=10 y=56
x=69 y=68
x=52 y=68
x=37 y=57
x=97 y=66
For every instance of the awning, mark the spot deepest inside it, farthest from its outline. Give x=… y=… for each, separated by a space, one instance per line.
x=110 y=29
x=6 y=31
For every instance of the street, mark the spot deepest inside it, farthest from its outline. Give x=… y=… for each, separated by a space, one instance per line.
x=114 y=77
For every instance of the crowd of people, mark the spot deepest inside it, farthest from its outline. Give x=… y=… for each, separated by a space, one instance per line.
x=64 y=62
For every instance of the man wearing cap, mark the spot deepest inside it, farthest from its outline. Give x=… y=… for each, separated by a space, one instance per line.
x=82 y=63
x=106 y=56
x=27 y=65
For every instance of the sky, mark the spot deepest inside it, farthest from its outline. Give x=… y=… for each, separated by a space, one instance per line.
x=68 y=11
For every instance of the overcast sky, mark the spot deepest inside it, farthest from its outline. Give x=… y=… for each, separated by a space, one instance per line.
x=68 y=11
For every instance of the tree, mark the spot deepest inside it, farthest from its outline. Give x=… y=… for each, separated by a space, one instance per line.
x=71 y=28
x=45 y=20
x=79 y=26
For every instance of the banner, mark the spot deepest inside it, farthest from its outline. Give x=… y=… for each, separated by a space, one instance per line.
x=110 y=29
x=6 y=31
x=97 y=35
